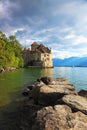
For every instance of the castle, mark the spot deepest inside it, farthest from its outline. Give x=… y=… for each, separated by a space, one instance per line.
x=38 y=55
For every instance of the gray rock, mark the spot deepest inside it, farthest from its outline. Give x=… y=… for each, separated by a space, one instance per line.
x=26 y=92
x=83 y=93
x=47 y=80
x=54 y=105
x=59 y=117
x=77 y=103
x=49 y=94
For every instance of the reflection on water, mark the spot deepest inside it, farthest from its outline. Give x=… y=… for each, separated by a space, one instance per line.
x=47 y=72
x=12 y=83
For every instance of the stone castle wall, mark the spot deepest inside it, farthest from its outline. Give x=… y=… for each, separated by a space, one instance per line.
x=36 y=58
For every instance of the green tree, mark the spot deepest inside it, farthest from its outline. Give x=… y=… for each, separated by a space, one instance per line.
x=10 y=52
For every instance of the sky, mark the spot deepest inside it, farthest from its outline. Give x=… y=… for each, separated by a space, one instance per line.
x=59 y=24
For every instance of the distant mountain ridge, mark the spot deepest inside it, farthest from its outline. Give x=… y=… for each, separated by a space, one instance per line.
x=72 y=61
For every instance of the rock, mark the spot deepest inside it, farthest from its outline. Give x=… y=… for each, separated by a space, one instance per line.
x=59 y=117
x=77 y=103
x=2 y=70
x=49 y=94
x=26 y=92
x=53 y=104
x=44 y=94
x=83 y=93
x=54 y=81
x=30 y=87
x=47 y=80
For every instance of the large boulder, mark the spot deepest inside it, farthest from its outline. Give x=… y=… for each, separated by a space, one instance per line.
x=46 y=91
x=53 y=104
x=59 y=117
x=48 y=94
x=54 y=81
x=77 y=103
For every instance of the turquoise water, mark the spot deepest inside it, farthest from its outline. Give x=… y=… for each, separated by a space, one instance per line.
x=76 y=75
x=12 y=83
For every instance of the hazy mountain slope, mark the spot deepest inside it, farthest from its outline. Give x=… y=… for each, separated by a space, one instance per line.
x=72 y=61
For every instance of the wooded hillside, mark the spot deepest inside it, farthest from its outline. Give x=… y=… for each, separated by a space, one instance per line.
x=10 y=52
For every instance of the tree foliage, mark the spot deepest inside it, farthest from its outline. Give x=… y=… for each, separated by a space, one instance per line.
x=10 y=52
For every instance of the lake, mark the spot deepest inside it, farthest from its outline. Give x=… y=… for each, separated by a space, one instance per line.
x=12 y=84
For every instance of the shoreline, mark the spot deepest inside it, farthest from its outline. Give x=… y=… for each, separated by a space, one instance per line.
x=39 y=67
x=12 y=68
x=2 y=70
x=43 y=103
x=7 y=69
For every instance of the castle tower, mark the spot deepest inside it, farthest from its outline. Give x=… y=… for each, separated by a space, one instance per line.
x=39 y=55
x=34 y=45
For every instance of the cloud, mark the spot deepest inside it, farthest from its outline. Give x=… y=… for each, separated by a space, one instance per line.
x=57 y=24
x=4 y=9
x=13 y=32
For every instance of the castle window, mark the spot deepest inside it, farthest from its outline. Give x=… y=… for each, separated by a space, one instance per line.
x=48 y=59
x=38 y=58
x=44 y=55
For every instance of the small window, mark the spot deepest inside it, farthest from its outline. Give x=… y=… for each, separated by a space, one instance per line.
x=44 y=55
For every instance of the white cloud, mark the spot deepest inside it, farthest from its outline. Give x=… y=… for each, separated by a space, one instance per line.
x=70 y=36
x=68 y=53
x=14 y=31
x=62 y=26
x=4 y=10
x=80 y=40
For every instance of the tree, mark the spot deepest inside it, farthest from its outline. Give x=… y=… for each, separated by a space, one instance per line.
x=10 y=52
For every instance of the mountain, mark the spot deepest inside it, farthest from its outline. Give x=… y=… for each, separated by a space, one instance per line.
x=72 y=61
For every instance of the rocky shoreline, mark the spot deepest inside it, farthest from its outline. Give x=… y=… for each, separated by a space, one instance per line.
x=53 y=104
x=7 y=70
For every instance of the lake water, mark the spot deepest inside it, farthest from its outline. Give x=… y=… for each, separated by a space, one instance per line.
x=12 y=84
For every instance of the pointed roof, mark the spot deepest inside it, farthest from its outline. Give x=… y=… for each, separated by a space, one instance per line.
x=43 y=49
x=34 y=44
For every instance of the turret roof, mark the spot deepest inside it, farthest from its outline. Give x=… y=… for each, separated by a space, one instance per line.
x=34 y=43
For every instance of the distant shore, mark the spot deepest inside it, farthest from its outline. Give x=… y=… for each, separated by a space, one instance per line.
x=70 y=66
x=13 y=68
x=7 y=69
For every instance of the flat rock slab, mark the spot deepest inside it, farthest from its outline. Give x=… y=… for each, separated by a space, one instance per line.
x=77 y=103
x=48 y=95
x=48 y=90
x=59 y=117
x=54 y=104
